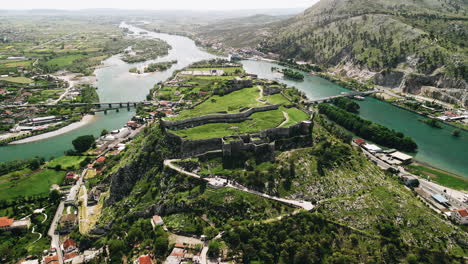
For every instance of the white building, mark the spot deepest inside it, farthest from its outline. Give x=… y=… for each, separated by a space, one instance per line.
x=405 y=159
x=460 y=216
x=372 y=148
x=156 y=221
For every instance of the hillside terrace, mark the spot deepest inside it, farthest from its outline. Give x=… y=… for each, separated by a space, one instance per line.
x=239 y=94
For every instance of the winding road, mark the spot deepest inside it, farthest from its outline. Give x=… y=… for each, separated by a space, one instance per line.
x=221 y=182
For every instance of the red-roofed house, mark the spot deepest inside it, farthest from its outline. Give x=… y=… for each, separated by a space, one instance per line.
x=101 y=159
x=5 y=223
x=145 y=260
x=69 y=245
x=460 y=216
x=68 y=257
x=51 y=259
x=359 y=141
x=70 y=175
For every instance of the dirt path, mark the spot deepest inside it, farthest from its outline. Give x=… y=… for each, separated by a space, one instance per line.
x=286 y=117
x=221 y=182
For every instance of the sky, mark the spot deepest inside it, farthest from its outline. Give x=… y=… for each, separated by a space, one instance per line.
x=156 y=4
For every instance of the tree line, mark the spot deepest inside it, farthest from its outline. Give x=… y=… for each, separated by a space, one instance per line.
x=368 y=130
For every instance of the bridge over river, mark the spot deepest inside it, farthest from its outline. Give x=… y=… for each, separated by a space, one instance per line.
x=344 y=94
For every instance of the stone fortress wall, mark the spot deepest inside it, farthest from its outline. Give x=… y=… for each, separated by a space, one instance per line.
x=281 y=138
x=219 y=118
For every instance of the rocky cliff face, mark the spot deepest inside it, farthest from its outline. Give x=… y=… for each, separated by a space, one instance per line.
x=144 y=158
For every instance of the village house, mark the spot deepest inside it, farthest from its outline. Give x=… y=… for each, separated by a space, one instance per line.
x=69 y=246
x=10 y=223
x=50 y=260
x=144 y=260
x=460 y=216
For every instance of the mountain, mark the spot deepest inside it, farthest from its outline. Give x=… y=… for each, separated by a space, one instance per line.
x=417 y=46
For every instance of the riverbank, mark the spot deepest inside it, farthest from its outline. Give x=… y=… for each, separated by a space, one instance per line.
x=440 y=176
x=87 y=119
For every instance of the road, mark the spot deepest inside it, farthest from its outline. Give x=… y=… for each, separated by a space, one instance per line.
x=55 y=243
x=455 y=197
x=221 y=182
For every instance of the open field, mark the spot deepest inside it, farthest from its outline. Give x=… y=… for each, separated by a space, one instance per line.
x=230 y=103
x=27 y=183
x=22 y=80
x=277 y=99
x=295 y=116
x=442 y=177
x=64 y=60
x=66 y=162
x=260 y=121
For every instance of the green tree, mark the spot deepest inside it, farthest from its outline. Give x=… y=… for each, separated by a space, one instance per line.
x=83 y=143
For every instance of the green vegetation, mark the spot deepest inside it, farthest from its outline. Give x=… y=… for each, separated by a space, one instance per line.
x=442 y=177
x=288 y=73
x=431 y=122
x=160 y=66
x=146 y=49
x=28 y=183
x=62 y=61
x=456 y=133
x=230 y=103
x=88 y=94
x=295 y=116
x=346 y=104
x=260 y=121
x=21 y=80
x=19 y=243
x=367 y=129
x=320 y=240
x=83 y=143
x=67 y=162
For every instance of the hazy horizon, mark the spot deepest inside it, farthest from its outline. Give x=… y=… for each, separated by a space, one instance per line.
x=200 y=5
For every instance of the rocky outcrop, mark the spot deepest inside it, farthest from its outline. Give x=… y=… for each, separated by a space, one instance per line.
x=271 y=90
x=389 y=79
x=439 y=86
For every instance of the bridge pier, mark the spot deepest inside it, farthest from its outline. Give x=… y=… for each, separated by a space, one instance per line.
x=110 y=105
x=120 y=104
x=134 y=104
x=128 y=104
x=105 y=112
x=118 y=110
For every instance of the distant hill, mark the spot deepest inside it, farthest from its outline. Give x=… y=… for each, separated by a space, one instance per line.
x=416 y=46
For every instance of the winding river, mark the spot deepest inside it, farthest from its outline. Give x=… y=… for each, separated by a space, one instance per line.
x=436 y=146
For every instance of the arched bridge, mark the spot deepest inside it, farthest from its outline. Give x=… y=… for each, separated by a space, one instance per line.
x=346 y=94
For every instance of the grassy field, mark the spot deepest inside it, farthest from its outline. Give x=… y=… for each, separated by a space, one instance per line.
x=66 y=162
x=277 y=99
x=22 y=80
x=295 y=116
x=27 y=183
x=230 y=103
x=444 y=178
x=261 y=121
x=64 y=60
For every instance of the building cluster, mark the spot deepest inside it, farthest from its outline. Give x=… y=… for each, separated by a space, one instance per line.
x=184 y=253
x=70 y=252
x=390 y=156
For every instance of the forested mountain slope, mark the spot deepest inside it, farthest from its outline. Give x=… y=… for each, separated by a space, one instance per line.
x=423 y=40
x=417 y=46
